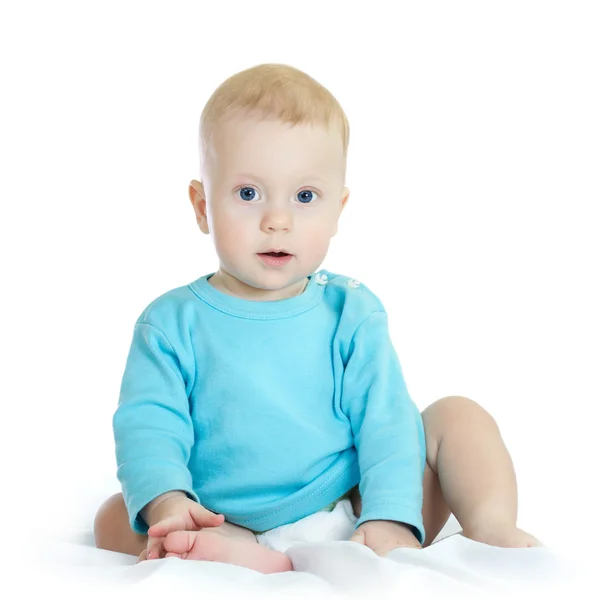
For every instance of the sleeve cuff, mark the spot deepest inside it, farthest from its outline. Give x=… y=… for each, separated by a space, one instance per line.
x=394 y=512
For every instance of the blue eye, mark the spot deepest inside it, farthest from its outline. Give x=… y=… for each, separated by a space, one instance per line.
x=247 y=193
x=305 y=196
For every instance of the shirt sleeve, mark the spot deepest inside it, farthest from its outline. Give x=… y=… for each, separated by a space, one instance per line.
x=387 y=428
x=152 y=425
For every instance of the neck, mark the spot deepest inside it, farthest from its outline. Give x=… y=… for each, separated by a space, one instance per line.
x=228 y=284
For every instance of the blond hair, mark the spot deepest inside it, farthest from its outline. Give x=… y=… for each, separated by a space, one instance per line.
x=274 y=90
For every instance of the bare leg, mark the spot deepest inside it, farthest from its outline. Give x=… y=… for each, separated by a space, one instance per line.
x=112 y=530
x=476 y=473
x=228 y=543
x=469 y=472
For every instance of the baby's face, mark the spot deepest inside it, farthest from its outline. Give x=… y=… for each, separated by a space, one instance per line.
x=270 y=187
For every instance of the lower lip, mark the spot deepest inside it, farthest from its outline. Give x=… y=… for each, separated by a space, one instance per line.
x=275 y=261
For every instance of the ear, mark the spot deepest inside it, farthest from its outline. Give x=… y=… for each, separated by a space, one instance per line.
x=343 y=202
x=198 y=200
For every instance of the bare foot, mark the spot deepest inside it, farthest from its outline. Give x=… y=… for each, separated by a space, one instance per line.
x=207 y=545
x=503 y=537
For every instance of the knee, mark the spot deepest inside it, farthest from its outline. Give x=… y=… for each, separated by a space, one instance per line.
x=450 y=416
x=451 y=409
x=107 y=521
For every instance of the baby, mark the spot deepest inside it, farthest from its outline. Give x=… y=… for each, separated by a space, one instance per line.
x=269 y=391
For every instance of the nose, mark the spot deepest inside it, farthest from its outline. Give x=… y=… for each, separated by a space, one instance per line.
x=276 y=218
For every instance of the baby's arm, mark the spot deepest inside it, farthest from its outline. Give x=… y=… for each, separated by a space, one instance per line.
x=152 y=425
x=387 y=427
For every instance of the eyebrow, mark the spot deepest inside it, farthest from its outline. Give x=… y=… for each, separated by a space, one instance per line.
x=256 y=178
x=248 y=176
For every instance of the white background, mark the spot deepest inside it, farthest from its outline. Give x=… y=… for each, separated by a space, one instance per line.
x=474 y=170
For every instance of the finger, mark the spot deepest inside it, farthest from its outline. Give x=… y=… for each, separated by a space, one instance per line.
x=166 y=526
x=154 y=548
x=143 y=556
x=205 y=518
x=381 y=550
x=173 y=555
x=180 y=542
x=404 y=544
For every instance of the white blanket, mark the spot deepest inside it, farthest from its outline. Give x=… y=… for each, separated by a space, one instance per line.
x=451 y=567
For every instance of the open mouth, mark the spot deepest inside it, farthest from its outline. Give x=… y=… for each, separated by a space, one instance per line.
x=275 y=259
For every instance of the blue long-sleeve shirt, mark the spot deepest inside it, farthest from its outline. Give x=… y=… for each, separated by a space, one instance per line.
x=267 y=412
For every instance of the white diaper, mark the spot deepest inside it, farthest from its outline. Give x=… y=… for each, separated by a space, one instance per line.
x=324 y=526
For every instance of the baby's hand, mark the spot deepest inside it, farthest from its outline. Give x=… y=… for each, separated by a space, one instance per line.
x=384 y=536
x=174 y=512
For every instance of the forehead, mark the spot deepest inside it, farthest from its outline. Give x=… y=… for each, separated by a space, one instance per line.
x=250 y=144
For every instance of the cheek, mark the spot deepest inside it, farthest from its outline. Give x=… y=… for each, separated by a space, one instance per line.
x=230 y=230
x=319 y=226
x=318 y=235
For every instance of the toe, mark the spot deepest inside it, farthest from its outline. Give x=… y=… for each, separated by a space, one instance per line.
x=179 y=542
